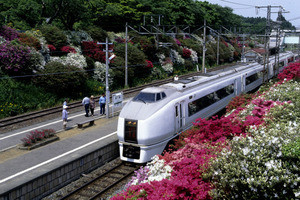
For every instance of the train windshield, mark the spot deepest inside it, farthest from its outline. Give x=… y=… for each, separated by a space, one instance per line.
x=145 y=97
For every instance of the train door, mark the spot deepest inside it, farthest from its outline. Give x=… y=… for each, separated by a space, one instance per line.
x=179 y=115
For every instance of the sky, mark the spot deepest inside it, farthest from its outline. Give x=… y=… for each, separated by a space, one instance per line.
x=247 y=8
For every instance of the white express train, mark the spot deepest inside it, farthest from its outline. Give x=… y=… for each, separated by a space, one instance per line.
x=158 y=114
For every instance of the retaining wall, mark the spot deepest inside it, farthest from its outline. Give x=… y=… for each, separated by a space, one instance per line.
x=51 y=181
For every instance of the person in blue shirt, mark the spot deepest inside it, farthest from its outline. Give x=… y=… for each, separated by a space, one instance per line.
x=65 y=116
x=86 y=104
x=102 y=101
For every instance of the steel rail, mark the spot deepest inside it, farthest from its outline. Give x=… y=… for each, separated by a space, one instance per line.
x=102 y=191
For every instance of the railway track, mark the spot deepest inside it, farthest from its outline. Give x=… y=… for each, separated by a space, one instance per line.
x=22 y=120
x=97 y=187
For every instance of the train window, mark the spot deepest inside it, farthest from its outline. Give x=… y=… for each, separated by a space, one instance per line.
x=224 y=92
x=145 y=97
x=252 y=78
x=281 y=64
x=163 y=95
x=130 y=131
x=203 y=102
x=199 y=104
x=158 y=96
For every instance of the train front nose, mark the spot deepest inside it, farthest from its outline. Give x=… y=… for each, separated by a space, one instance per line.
x=130 y=136
x=130 y=131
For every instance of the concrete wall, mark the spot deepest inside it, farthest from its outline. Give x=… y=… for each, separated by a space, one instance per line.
x=60 y=177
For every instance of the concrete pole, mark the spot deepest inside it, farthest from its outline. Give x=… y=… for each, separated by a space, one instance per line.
x=204 y=48
x=126 y=59
x=106 y=79
x=218 y=50
x=243 y=50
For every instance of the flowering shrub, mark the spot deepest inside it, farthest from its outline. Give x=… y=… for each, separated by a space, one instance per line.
x=149 y=64
x=290 y=72
x=10 y=109
x=68 y=49
x=14 y=58
x=263 y=164
x=8 y=33
x=264 y=172
x=156 y=170
x=74 y=59
x=176 y=57
x=30 y=41
x=166 y=63
x=239 y=101
x=36 y=135
x=51 y=47
x=186 y=53
x=177 y=42
x=99 y=73
x=93 y=50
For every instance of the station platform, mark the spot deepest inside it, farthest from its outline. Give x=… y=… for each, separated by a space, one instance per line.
x=33 y=174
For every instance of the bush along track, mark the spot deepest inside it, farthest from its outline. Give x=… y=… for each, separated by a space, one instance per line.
x=250 y=153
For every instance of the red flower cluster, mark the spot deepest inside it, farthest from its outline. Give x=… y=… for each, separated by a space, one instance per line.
x=36 y=135
x=51 y=47
x=149 y=64
x=68 y=49
x=186 y=53
x=292 y=71
x=93 y=50
x=239 y=101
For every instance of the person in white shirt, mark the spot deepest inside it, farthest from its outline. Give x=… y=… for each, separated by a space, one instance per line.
x=65 y=116
x=86 y=104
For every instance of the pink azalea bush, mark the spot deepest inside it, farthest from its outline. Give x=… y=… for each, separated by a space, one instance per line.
x=8 y=33
x=13 y=57
x=198 y=149
x=292 y=71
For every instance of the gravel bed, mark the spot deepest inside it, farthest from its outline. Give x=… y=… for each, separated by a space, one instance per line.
x=86 y=178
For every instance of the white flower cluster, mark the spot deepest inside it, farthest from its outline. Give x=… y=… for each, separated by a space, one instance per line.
x=158 y=170
x=2 y=40
x=167 y=66
x=176 y=57
x=194 y=56
x=74 y=59
x=100 y=71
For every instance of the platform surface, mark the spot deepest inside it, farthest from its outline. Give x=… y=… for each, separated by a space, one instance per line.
x=20 y=166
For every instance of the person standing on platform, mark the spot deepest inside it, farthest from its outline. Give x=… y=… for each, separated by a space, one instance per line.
x=92 y=105
x=176 y=78
x=86 y=104
x=102 y=101
x=65 y=116
x=65 y=102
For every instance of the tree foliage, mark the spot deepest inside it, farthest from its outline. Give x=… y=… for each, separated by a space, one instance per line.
x=111 y=15
x=61 y=80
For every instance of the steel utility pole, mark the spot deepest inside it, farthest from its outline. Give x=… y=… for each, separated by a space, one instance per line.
x=204 y=48
x=106 y=76
x=267 y=38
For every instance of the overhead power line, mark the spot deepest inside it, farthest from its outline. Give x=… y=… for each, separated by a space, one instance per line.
x=237 y=3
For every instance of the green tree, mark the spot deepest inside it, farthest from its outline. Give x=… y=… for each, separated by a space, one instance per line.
x=62 y=80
